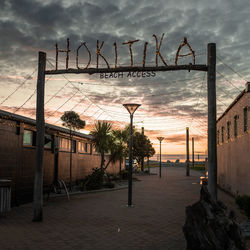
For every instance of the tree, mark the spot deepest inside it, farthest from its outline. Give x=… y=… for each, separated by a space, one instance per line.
x=118 y=147
x=102 y=139
x=72 y=121
x=142 y=147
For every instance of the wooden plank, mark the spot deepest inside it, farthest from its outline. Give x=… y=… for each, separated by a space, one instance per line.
x=90 y=71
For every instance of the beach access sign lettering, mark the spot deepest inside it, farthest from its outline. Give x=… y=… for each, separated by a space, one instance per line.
x=117 y=71
x=128 y=74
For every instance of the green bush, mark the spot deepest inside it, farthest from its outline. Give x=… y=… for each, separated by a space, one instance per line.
x=197 y=167
x=94 y=180
x=243 y=201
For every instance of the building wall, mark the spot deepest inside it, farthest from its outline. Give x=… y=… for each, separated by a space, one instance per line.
x=234 y=153
x=9 y=154
x=18 y=161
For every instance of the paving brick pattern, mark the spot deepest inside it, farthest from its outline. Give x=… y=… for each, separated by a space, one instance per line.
x=102 y=220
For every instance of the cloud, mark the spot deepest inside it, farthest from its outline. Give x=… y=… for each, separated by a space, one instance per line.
x=30 y=26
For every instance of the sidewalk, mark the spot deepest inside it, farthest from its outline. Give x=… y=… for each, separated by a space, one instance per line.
x=102 y=220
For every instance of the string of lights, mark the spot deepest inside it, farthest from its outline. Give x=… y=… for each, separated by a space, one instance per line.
x=29 y=97
x=56 y=93
x=25 y=101
x=12 y=93
x=80 y=91
x=62 y=104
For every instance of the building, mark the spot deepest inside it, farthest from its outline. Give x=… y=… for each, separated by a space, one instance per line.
x=17 y=155
x=233 y=145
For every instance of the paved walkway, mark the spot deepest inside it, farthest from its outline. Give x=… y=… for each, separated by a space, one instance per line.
x=102 y=220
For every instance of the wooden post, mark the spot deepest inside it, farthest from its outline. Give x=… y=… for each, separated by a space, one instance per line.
x=38 y=183
x=70 y=161
x=211 y=93
x=193 y=151
x=187 y=151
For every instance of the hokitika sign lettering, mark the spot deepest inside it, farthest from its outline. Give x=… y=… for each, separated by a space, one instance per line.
x=116 y=70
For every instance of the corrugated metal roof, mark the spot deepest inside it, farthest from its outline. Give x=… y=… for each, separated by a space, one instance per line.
x=14 y=117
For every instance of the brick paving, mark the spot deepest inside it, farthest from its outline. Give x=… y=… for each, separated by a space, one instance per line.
x=102 y=220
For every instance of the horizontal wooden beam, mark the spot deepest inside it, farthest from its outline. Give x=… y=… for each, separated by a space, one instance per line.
x=90 y=71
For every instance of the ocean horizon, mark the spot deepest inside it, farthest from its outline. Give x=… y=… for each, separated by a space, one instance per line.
x=180 y=157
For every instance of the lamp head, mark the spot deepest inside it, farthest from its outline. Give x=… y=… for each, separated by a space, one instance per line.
x=131 y=107
x=160 y=138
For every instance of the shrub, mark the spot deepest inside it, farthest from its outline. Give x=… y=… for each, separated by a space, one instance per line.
x=243 y=201
x=95 y=179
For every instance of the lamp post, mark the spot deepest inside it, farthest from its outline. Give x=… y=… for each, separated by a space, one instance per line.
x=131 y=107
x=160 y=140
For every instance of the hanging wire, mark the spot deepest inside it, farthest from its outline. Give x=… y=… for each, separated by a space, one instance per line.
x=25 y=101
x=228 y=80
x=80 y=90
x=198 y=101
x=62 y=105
x=237 y=73
x=27 y=78
x=103 y=110
x=30 y=97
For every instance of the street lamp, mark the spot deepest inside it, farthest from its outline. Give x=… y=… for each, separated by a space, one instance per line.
x=160 y=140
x=131 y=107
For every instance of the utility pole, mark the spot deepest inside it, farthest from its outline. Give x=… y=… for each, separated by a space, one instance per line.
x=211 y=94
x=142 y=160
x=187 y=151
x=193 y=151
x=40 y=124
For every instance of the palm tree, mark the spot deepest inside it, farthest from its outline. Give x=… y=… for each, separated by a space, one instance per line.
x=102 y=139
x=119 y=147
x=72 y=121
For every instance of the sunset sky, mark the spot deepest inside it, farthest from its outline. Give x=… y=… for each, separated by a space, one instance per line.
x=170 y=101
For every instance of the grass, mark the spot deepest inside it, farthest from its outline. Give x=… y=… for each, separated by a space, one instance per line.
x=198 y=167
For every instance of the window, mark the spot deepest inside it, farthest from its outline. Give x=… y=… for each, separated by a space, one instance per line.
x=228 y=130
x=65 y=145
x=222 y=134
x=236 y=118
x=245 y=119
x=94 y=151
x=73 y=146
x=83 y=147
x=28 y=138
x=47 y=141
x=218 y=136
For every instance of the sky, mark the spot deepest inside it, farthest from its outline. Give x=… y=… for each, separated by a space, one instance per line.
x=170 y=101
